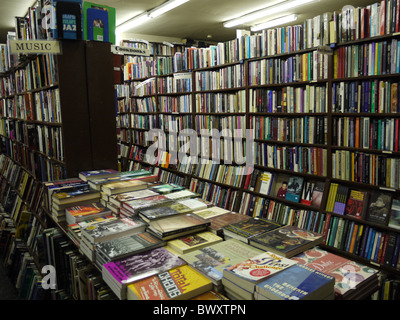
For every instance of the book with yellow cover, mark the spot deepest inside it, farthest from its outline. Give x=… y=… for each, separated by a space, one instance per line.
x=180 y=283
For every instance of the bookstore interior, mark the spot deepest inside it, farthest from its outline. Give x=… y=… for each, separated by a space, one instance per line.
x=264 y=167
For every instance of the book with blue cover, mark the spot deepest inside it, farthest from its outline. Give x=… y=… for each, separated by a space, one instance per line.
x=297 y=282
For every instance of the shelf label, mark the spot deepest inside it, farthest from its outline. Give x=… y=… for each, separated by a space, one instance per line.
x=130 y=51
x=35 y=46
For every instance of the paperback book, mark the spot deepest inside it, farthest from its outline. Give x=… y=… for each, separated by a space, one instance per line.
x=181 y=283
x=212 y=260
x=246 y=229
x=249 y=272
x=379 y=207
x=120 y=273
x=123 y=186
x=287 y=241
x=193 y=242
x=297 y=283
x=294 y=188
x=122 y=247
x=85 y=212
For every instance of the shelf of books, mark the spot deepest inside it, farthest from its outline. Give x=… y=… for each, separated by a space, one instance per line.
x=321 y=102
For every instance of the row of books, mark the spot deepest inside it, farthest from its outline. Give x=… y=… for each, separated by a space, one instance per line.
x=236 y=125
x=305 y=129
x=178 y=83
x=311 y=66
x=380 y=207
x=223 y=78
x=174 y=123
x=221 y=102
x=181 y=103
x=375 y=169
x=147 y=105
x=378 y=246
x=50 y=142
x=134 y=136
x=366 y=132
x=365 y=96
x=139 y=121
x=368 y=59
x=308 y=99
x=308 y=160
x=156 y=48
x=143 y=88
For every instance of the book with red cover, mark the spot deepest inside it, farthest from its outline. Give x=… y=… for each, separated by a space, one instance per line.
x=357 y=204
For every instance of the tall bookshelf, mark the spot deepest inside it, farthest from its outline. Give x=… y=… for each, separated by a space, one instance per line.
x=299 y=80
x=57 y=119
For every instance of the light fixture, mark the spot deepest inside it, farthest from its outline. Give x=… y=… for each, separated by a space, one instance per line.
x=135 y=21
x=147 y=15
x=275 y=22
x=165 y=7
x=268 y=11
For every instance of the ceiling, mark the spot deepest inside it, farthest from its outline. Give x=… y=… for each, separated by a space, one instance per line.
x=196 y=19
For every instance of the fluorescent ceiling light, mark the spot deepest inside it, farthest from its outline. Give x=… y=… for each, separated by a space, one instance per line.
x=287 y=5
x=147 y=15
x=135 y=21
x=275 y=22
x=165 y=7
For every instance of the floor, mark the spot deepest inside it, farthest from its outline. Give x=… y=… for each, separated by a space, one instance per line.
x=7 y=289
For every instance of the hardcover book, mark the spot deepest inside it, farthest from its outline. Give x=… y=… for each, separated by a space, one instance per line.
x=287 y=241
x=118 y=199
x=294 y=188
x=245 y=230
x=120 y=273
x=133 y=206
x=298 y=283
x=394 y=220
x=181 y=283
x=379 y=207
x=175 y=226
x=317 y=194
x=212 y=260
x=75 y=195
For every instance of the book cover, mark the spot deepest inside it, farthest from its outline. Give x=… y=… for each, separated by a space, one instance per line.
x=174 y=226
x=167 y=188
x=84 y=212
x=135 y=205
x=357 y=204
x=249 y=272
x=134 y=195
x=195 y=241
x=294 y=188
x=245 y=230
x=75 y=194
x=99 y=22
x=220 y=221
x=210 y=212
x=266 y=180
x=212 y=260
x=94 y=174
x=107 y=229
x=123 y=186
x=280 y=185
x=118 y=274
x=127 y=245
x=297 y=283
x=379 y=207
x=287 y=240
x=394 y=220
x=307 y=192
x=339 y=206
x=180 y=283
x=163 y=211
x=317 y=194
x=349 y=275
